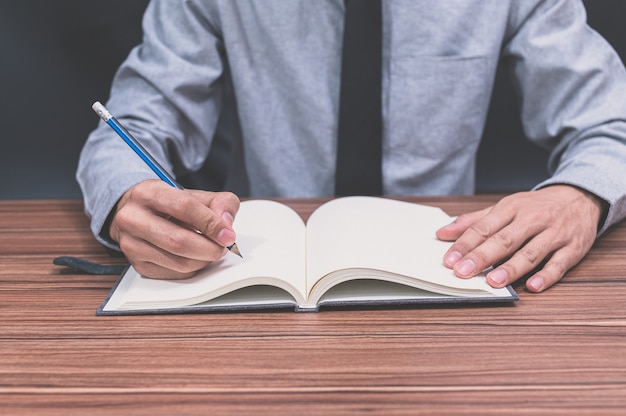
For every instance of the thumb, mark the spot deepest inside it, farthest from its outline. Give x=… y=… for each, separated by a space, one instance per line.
x=224 y=204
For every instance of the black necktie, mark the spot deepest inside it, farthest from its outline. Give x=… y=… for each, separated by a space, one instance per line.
x=359 y=146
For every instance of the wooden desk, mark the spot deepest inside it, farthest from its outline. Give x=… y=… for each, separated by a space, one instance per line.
x=561 y=352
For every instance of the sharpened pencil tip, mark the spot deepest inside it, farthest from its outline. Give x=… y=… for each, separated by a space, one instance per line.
x=235 y=250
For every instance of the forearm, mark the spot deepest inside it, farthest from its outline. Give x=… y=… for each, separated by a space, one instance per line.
x=106 y=170
x=174 y=117
x=572 y=86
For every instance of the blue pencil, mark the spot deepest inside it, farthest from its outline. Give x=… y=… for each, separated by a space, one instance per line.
x=142 y=153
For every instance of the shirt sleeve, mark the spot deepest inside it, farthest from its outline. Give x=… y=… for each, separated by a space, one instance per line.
x=572 y=90
x=168 y=94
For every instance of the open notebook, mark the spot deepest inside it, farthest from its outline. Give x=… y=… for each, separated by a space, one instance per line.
x=352 y=251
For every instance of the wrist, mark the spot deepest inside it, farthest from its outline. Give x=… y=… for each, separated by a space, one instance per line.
x=597 y=207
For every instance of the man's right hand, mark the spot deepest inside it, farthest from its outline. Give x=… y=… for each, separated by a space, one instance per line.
x=156 y=227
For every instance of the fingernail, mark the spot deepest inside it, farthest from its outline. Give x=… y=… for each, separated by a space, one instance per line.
x=499 y=276
x=228 y=218
x=536 y=283
x=465 y=268
x=226 y=237
x=452 y=258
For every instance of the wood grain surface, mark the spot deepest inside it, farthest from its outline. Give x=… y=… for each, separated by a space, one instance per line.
x=560 y=352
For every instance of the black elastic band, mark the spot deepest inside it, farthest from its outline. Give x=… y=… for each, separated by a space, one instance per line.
x=88 y=267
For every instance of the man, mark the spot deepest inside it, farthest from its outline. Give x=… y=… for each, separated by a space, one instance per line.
x=282 y=61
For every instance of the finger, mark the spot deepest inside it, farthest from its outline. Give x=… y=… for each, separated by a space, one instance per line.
x=460 y=224
x=153 y=271
x=165 y=234
x=153 y=262
x=528 y=258
x=181 y=240
x=183 y=206
x=523 y=245
x=555 y=268
x=551 y=273
x=474 y=235
x=224 y=204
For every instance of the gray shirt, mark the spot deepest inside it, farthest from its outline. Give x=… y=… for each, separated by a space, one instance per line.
x=282 y=61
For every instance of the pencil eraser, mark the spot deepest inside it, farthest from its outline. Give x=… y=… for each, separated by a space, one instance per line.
x=101 y=111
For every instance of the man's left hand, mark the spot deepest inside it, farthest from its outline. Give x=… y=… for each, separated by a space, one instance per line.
x=546 y=232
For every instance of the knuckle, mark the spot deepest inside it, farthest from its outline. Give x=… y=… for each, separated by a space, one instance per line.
x=231 y=198
x=128 y=247
x=177 y=241
x=504 y=239
x=143 y=191
x=530 y=255
x=123 y=219
x=580 y=248
x=481 y=229
x=556 y=268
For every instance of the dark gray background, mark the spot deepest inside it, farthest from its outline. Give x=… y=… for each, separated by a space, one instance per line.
x=58 y=57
